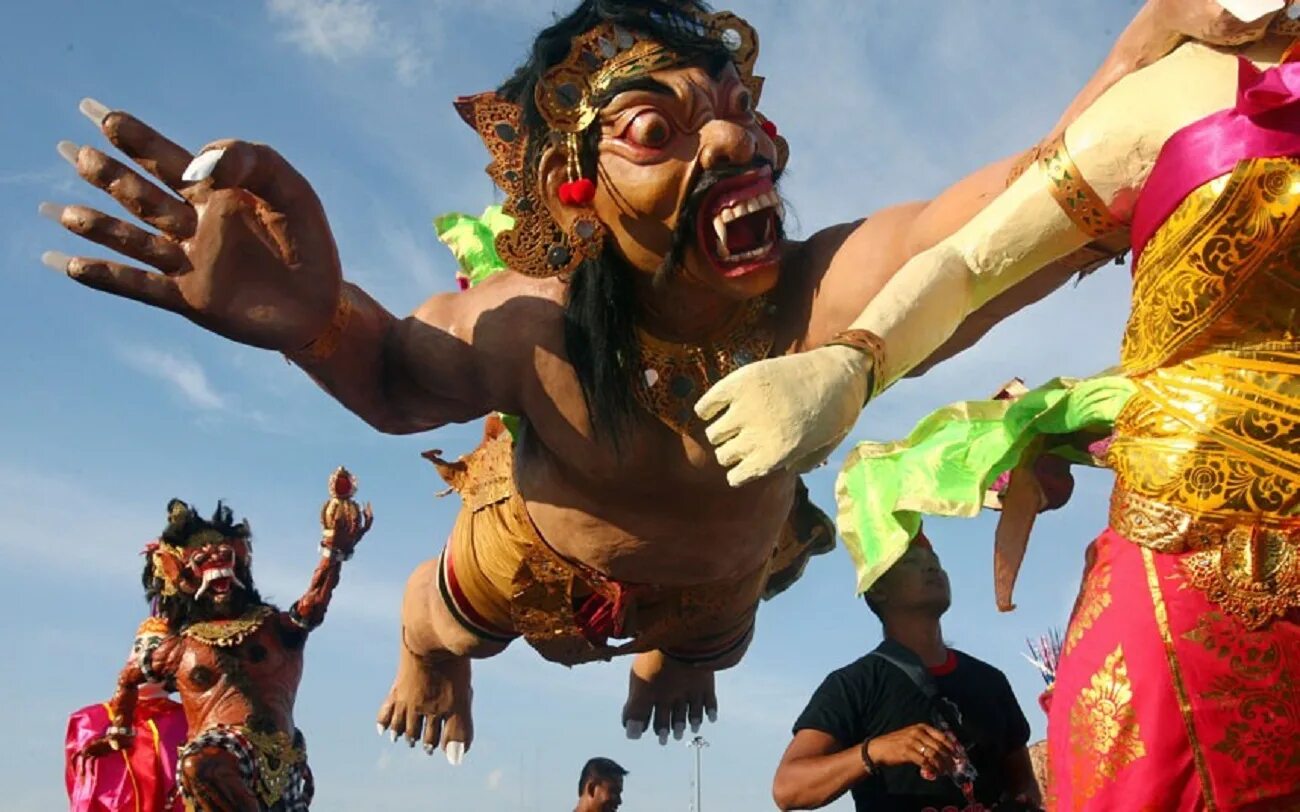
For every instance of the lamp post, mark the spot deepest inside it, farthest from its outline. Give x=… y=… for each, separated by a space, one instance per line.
x=698 y=743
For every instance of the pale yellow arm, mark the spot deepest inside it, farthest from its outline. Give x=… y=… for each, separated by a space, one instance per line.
x=790 y=412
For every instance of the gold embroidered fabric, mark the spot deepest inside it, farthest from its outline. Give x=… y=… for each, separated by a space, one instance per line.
x=227 y=633
x=674 y=376
x=1095 y=599
x=276 y=758
x=1077 y=199
x=1104 y=733
x=1209 y=446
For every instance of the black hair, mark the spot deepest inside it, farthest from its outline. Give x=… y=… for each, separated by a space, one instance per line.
x=600 y=308
x=183 y=522
x=599 y=769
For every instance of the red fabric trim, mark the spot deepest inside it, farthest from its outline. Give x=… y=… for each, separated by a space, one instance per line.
x=946 y=667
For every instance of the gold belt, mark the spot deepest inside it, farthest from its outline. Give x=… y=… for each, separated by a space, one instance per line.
x=1249 y=565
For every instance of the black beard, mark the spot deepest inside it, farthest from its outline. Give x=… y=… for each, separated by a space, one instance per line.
x=686 y=232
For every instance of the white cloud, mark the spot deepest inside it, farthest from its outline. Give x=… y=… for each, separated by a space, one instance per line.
x=340 y=30
x=184 y=374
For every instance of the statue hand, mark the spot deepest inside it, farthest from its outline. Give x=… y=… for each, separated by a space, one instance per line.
x=111 y=742
x=242 y=249
x=1215 y=22
x=788 y=412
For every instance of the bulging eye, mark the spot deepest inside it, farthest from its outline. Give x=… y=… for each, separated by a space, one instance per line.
x=745 y=102
x=649 y=129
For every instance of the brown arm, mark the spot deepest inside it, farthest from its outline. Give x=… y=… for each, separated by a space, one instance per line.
x=815 y=770
x=433 y=367
x=343 y=523
x=152 y=660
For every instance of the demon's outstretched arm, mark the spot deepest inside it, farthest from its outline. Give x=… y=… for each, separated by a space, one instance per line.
x=343 y=523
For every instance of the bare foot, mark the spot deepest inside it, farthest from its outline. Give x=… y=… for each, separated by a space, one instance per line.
x=674 y=692
x=430 y=702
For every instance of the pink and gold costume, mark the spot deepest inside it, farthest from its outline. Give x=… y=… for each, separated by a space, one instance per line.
x=1177 y=687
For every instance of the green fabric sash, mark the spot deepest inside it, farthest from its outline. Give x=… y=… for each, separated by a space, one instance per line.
x=950 y=459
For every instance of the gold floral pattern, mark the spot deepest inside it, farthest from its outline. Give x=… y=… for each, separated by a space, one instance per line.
x=1260 y=696
x=1095 y=599
x=1211 y=439
x=1104 y=733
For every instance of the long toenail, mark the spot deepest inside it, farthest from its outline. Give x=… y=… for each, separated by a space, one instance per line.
x=634 y=728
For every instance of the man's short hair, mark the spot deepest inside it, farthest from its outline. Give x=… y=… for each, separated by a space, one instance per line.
x=599 y=769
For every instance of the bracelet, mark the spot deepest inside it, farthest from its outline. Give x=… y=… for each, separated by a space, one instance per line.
x=331 y=553
x=866 y=758
x=114 y=730
x=327 y=343
x=870 y=345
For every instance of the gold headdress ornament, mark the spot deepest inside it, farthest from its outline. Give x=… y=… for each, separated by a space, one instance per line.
x=565 y=97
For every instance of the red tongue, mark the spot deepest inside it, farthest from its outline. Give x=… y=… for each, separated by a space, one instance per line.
x=747 y=233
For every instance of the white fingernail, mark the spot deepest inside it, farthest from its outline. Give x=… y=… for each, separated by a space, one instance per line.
x=51 y=211
x=410 y=743
x=57 y=261
x=663 y=736
x=455 y=753
x=201 y=167
x=679 y=730
x=68 y=151
x=634 y=729
x=695 y=725
x=393 y=735
x=429 y=748
x=94 y=110
x=712 y=713
x=379 y=729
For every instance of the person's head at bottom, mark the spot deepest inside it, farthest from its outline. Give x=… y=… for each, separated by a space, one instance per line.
x=600 y=787
x=913 y=591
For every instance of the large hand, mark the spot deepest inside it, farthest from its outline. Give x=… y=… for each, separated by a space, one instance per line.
x=788 y=412
x=245 y=250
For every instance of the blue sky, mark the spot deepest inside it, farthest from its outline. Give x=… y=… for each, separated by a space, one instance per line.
x=111 y=409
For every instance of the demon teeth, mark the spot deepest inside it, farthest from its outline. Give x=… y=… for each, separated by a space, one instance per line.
x=211 y=575
x=767 y=200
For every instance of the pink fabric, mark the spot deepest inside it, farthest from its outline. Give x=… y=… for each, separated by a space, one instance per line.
x=138 y=779
x=1265 y=123
x=1243 y=711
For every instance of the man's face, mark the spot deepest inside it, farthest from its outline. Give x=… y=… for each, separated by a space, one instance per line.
x=917 y=581
x=602 y=795
x=680 y=148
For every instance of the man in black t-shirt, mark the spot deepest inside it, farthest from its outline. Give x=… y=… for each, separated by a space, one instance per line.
x=913 y=726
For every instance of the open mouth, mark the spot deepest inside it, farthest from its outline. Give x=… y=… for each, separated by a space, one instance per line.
x=739 y=223
x=219 y=582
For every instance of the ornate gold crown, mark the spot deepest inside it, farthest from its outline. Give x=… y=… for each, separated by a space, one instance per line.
x=565 y=97
x=609 y=53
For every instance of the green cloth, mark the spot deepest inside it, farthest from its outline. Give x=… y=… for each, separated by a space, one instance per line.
x=472 y=241
x=951 y=458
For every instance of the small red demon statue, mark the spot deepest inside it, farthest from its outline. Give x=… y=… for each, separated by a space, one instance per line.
x=235 y=659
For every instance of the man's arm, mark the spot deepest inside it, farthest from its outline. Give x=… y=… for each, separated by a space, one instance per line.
x=817 y=768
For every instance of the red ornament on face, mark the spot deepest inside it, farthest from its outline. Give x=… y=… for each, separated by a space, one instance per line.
x=578 y=192
x=770 y=129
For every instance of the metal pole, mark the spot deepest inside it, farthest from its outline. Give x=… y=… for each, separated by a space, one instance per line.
x=698 y=808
